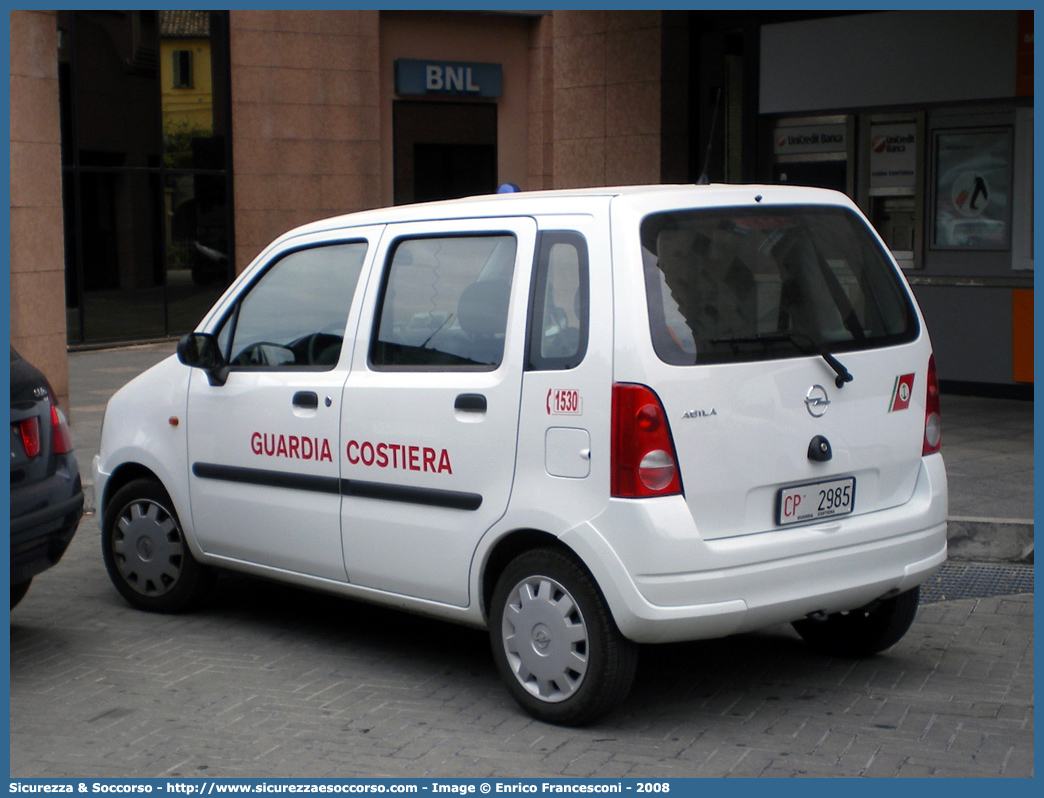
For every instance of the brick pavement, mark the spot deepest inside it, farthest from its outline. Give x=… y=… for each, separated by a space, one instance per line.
x=270 y=681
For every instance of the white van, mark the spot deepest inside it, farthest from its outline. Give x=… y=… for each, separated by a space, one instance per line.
x=583 y=419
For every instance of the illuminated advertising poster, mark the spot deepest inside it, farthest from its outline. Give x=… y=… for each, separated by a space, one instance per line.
x=972 y=190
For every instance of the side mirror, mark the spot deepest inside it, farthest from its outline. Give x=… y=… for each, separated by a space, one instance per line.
x=201 y=351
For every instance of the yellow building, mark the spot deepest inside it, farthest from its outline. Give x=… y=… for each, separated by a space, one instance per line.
x=186 y=85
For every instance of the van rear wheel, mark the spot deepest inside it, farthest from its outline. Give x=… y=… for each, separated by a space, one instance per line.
x=862 y=632
x=555 y=643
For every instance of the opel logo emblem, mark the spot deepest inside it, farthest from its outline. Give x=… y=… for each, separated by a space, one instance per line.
x=144 y=548
x=816 y=401
x=541 y=638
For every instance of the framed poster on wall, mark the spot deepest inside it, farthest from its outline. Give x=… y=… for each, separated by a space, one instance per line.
x=972 y=191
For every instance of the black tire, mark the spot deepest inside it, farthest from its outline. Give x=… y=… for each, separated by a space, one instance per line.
x=555 y=643
x=18 y=592
x=145 y=551
x=862 y=632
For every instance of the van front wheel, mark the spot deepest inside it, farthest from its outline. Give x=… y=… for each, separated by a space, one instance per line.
x=145 y=551
x=554 y=640
x=861 y=632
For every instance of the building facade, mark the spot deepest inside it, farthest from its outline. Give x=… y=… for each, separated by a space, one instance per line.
x=926 y=119
x=162 y=150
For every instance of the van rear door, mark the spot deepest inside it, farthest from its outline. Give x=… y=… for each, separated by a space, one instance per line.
x=790 y=362
x=429 y=421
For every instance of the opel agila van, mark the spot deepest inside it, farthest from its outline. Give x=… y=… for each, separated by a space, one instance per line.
x=585 y=420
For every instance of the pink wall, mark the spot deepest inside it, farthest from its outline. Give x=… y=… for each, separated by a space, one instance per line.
x=38 y=322
x=607 y=122
x=304 y=120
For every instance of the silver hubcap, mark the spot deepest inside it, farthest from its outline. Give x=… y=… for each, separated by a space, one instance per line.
x=545 y=639
x=148 y=548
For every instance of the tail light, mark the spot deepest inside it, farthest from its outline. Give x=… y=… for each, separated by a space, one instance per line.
x=644 y=462
x=61 y=438
x=30 y=431
x=932 y=416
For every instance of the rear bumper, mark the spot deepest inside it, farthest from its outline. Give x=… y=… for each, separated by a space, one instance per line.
x=48 y=514
x=664 y=583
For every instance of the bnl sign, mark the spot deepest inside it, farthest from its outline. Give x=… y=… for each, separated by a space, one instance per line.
x=413 y=77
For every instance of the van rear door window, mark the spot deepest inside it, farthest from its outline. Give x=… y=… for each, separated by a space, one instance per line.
x=444 y=304
x=737 y=285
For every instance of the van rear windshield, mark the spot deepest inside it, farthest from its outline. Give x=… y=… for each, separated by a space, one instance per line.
x=736 y=285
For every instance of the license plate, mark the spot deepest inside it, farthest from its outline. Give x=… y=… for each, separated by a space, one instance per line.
x=803 y=503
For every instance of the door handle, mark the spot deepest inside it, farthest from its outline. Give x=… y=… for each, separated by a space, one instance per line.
x=306 y=399
x=471 y=402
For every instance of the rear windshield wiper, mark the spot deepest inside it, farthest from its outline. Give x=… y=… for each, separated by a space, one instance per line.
x=796 y=338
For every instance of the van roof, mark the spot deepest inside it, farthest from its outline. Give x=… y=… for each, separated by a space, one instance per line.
x=557 y=201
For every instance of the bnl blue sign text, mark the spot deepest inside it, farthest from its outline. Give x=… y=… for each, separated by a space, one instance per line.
x=413 y=77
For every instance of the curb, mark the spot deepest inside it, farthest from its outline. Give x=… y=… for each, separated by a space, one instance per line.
x=990 y=539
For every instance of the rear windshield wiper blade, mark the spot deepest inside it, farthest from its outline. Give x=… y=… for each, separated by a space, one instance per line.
x=796 y=338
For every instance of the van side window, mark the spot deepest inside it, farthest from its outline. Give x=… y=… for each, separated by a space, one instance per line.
x=295 y=315
x=444 y=303
x=558 y=325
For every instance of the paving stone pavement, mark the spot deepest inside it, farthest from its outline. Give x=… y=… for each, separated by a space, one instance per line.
x=270 y=681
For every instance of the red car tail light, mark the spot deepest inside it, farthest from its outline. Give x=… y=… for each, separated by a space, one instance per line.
x=30 y=431
x=932 y=416
x=644 y=462
x=61 y=437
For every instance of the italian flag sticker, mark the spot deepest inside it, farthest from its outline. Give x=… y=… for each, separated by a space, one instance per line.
x=902 y=391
